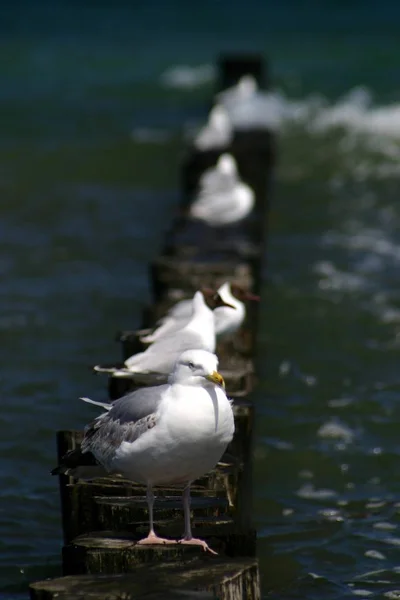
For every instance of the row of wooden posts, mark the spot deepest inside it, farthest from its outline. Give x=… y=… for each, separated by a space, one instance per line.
x=102 y=519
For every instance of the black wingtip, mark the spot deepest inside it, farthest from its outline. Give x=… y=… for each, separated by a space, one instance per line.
x=58 y=470
x=114 y=365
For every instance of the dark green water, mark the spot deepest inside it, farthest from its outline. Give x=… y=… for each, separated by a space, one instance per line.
x=89 y=162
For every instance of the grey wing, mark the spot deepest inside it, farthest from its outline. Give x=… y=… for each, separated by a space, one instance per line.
x=137 y=404
x=129 y=418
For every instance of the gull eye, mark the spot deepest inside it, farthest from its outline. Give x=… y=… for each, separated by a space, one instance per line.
x=191 y=365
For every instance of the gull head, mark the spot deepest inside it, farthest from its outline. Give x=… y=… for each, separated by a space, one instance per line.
x=246 y=86
x=227 y=164
x=207 y=299
x=197 y=367
x=214 y=299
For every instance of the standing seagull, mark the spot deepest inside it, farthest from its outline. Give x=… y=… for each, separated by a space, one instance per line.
x=247 y=106
x=228 y=318
x=221 y=175
x=161 y=356
x=169 y=434
x=223 y=198
x=227 y=321
x=218 y=131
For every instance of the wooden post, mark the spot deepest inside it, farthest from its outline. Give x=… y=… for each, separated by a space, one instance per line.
x=103 y=519
x=233 y=67
x=216 y=579
x=118 y=552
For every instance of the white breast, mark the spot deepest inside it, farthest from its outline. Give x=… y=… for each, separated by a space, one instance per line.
x=190 y=437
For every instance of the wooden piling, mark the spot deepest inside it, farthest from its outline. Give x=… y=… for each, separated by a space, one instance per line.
x=104 y=518
x=219 y=579
x=232 y=67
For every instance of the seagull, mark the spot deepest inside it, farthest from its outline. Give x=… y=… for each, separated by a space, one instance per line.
x=246 y=105
x=168 y=434
x=223 y=198
x=217 y=133
x=245 y=88
x=227 y=318
x=160 y=357
x=223 y=174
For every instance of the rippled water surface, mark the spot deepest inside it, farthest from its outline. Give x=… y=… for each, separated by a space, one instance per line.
x=95 y=103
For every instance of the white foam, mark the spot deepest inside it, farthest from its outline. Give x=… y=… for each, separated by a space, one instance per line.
x=309 y=492
x=187 y=77
x=384 y=526
x=393 y=541
x=284 y=368
x=287 y=512
x=336 y=430
x=353 y=112
x=340 y=402
x=375 y=554
x=331 y=514
x=375 y=241
x=315 y=576
x=333 y=279
x=377 y=128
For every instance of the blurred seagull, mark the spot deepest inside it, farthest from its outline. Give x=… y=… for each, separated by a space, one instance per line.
x=223 y=198
x=218 y=131
x=245 y=88
x=160 y=357
x=247 y=107
x=226 y=318
x=223 y=174
x=169 y=434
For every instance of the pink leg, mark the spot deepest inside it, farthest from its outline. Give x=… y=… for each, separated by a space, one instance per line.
x=152 y=538
x=188 y=539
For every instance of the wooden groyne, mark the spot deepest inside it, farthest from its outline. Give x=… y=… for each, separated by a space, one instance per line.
x=102 y=519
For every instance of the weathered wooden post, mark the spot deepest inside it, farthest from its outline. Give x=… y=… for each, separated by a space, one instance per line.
x=103 y=518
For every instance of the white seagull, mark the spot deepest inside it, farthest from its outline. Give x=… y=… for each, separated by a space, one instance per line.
x=223 y=198
x=160 y=357
x=218 y=131
x=221 y=175
x=245 y=88
x=246 y=105
x=227 y=318
x=168 y=434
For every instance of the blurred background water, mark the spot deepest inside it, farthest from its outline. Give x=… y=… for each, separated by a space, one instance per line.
x=95 y=102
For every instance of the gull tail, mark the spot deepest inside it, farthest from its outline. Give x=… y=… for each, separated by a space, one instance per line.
x=109 y=368
x=124 y=372
x=106 y=405
x=80 y=465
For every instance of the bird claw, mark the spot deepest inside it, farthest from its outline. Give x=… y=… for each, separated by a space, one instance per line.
x=197 y=542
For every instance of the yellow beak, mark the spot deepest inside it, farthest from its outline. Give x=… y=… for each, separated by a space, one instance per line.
x=216 y=378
